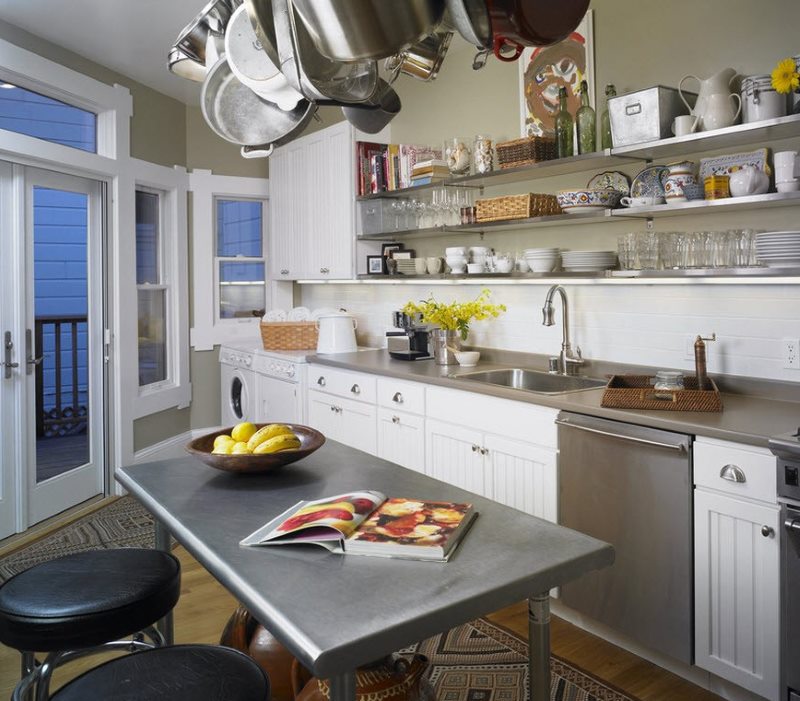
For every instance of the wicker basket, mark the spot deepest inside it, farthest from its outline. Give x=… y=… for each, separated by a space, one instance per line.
x=636 y=392
x=525 y=151
x=289 y=335
x=516 y=207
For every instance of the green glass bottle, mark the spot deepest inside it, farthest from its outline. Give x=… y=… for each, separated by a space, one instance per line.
x=585 y=123
x=606 y=140
x=563 y=126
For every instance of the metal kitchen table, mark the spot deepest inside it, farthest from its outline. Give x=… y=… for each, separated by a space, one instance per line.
x=337 y=612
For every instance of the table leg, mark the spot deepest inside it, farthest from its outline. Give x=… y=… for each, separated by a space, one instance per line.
x=343 y=686
x=163 y=542
x=539 y=647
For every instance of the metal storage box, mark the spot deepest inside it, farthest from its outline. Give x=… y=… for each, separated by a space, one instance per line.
x=377 y=216
x=645 y=115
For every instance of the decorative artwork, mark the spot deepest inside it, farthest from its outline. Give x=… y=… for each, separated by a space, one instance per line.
x=544 y=69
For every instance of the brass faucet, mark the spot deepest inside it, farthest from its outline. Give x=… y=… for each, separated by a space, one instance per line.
x=568 y=362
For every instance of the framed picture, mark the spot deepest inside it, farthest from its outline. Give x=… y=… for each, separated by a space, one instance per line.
x=375 y=265
x=545 y=69
x=388 y=248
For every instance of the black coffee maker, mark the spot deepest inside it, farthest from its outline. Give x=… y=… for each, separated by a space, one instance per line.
x=411 y=340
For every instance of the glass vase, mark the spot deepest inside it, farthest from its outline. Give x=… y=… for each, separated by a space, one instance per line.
x=443 y=340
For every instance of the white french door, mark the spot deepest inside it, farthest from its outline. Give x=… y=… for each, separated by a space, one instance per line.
x=51 y=329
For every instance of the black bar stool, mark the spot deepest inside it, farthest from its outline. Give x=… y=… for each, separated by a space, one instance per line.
x=80 y=604
x=172 y=673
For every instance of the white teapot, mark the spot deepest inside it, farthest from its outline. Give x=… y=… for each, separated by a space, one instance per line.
x=748 y=180
x=714 y=108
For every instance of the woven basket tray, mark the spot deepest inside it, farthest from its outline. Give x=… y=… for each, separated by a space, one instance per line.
x=636 y=392
x=525 y=151
x=516 y=207
x=289 y=335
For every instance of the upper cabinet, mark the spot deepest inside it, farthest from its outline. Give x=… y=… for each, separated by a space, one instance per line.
x=312 y=183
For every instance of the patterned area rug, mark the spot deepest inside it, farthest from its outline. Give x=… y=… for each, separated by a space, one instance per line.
x=480 y=661
x=122 y=524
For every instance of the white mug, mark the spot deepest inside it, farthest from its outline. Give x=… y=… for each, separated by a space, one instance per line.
x=434 y=265
x=684 y=124
x=787 y=166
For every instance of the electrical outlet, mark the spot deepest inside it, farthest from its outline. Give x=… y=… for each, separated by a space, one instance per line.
x=791 y=353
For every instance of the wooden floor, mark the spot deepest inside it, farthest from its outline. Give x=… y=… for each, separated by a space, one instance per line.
x=204 y=608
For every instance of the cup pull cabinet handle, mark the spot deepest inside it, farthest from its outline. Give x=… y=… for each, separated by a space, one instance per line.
x=355 y=389
x=321 y=381
x=395 y=419
x=733 y=473
x=398 y=398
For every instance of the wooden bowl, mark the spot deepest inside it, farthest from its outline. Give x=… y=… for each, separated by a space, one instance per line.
x=310 y=440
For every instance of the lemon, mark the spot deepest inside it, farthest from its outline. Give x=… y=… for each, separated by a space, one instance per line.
x=224 y=448
x=240 y=448
x=221 y=440
x=243 y=431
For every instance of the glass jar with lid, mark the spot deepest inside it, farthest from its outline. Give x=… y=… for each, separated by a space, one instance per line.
x=482 y=154
x=667 y=382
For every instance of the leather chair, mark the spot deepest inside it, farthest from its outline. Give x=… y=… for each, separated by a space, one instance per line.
x=84 y=603
x=176 y=673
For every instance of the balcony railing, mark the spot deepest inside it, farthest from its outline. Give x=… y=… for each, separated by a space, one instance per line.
x=61 y=401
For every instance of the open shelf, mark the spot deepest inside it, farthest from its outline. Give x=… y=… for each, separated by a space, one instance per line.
x=771 y=199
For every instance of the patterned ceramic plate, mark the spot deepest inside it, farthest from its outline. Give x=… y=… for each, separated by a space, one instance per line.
x=615 y=179
x=650 y=182
x=725 y=165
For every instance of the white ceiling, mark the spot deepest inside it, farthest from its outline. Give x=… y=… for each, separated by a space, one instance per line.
x=131 y=37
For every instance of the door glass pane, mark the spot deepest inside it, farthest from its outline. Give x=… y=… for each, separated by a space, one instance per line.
x=60 y=229
x=29 y=113
x=241 y=289
x=152 y=337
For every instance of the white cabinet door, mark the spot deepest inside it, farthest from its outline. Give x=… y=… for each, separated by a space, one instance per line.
x=334 y=252
x=737 y=591
x=287 y=242
x=454 y=454
x=313 y=200
x=401 y=438
x=524 y=476
x=357 y=425
x=323 y=414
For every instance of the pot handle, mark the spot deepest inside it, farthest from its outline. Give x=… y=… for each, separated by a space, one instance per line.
x=500 y=42
x=739 y=108
x=264 y=151
x=680 y=92
x=355 y=323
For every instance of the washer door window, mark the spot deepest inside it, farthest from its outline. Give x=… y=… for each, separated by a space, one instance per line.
x=238 y=397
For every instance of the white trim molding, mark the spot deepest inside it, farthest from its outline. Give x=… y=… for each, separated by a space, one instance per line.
x=206 y=331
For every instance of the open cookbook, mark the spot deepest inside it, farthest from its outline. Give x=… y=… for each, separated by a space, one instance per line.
x=369 y=523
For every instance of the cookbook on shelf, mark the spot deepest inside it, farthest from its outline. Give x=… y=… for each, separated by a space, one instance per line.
x=369 y=523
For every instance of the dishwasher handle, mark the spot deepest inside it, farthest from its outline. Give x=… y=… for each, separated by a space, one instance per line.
x=658 y=444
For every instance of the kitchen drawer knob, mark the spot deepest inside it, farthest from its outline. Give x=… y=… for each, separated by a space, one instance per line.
x=355 y=389
x=733 y=473
x=395 y=419
x=321 y=381
x=333 y=408
x=767 y=531
x=324 y=270
x=484 y=451
x=476 y=448
x=284 y=271
x=398 y=398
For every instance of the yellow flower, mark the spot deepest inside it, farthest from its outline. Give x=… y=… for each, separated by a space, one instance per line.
x=456 y=316
x=785 y=78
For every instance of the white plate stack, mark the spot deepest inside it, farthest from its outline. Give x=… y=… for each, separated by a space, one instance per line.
x=779 y=249
x=588 y=261
x=541 y=260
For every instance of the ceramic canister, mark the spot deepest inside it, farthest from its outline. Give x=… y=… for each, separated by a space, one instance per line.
x=760 y=100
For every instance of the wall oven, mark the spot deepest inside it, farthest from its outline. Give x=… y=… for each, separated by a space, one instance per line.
x=787 y=448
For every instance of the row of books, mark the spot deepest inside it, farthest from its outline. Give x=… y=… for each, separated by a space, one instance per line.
x=387 y=167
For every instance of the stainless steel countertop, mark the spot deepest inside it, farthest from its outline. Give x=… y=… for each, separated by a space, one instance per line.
x=744 y=418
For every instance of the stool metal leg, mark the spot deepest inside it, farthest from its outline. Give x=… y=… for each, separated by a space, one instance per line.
x=165 y=625
x=28 y=664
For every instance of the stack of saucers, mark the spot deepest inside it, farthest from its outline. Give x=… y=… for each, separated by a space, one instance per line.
x=541 y=260
x=406 y=266
x=588 y=261
x=779 y=249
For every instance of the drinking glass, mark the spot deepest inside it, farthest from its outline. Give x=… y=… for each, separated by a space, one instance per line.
x=626 y=251
x=647 y=250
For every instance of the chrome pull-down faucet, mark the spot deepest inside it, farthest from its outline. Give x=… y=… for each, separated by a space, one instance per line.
x=567 y=361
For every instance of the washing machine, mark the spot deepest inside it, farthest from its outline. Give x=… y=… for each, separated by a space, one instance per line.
x=281 y=385
x=237 y=384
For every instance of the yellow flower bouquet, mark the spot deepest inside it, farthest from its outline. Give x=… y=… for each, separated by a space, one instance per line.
x=456 y=316
x=786 y=77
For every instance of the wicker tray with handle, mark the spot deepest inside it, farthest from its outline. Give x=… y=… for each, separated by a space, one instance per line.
x=637 y=392
x=525 y=151
x=289 y=335
x=516 y=207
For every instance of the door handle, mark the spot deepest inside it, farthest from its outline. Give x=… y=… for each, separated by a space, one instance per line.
x=8 y=348
x=30 y=361
x=658 y=444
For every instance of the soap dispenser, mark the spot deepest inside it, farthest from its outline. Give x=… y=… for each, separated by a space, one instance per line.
x=701 y=369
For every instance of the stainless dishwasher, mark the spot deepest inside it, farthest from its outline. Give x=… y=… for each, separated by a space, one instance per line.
x=631 y=486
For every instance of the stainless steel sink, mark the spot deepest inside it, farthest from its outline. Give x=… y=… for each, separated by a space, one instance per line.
x=532 y=380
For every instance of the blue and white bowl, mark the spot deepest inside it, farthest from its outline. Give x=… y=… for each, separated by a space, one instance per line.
x=588 y=198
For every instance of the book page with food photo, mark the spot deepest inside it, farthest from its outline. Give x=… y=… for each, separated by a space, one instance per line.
x=369 y=523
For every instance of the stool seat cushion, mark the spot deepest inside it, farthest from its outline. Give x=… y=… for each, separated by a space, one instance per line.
x=177 y=673
x=83 y=600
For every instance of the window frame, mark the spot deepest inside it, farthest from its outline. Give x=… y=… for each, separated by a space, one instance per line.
x=208 y=329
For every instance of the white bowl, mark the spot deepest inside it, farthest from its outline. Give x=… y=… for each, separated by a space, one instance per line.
x=456 y=251
x=542 y=266
x=504 y=266
x=467 y=359
x=475 y=268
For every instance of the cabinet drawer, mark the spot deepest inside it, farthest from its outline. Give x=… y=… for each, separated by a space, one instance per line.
x=722 y=466
x=401 y=395
x=342 y=383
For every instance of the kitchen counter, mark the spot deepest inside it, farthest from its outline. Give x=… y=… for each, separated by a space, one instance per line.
x=745 y=418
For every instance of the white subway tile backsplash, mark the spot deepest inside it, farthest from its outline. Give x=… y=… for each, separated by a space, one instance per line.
x=640 y=324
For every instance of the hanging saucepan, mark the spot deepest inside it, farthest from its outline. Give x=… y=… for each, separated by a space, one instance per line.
x=422 y=60
x=210 y=22
x=184 y=67
x=235 y=113
x=470 y=18
x=351 y=30
x=520 y=23
x=252 y=66
x=375 y=114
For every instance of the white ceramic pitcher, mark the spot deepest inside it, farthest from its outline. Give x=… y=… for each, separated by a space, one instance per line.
x=714 y=108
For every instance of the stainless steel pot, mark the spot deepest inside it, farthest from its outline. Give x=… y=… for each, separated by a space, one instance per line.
x=470 y=18
x=235 y=113
x=350 y=30
x=422 y=60
x=209 y=22
x=372 y=116
x=184 y=67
